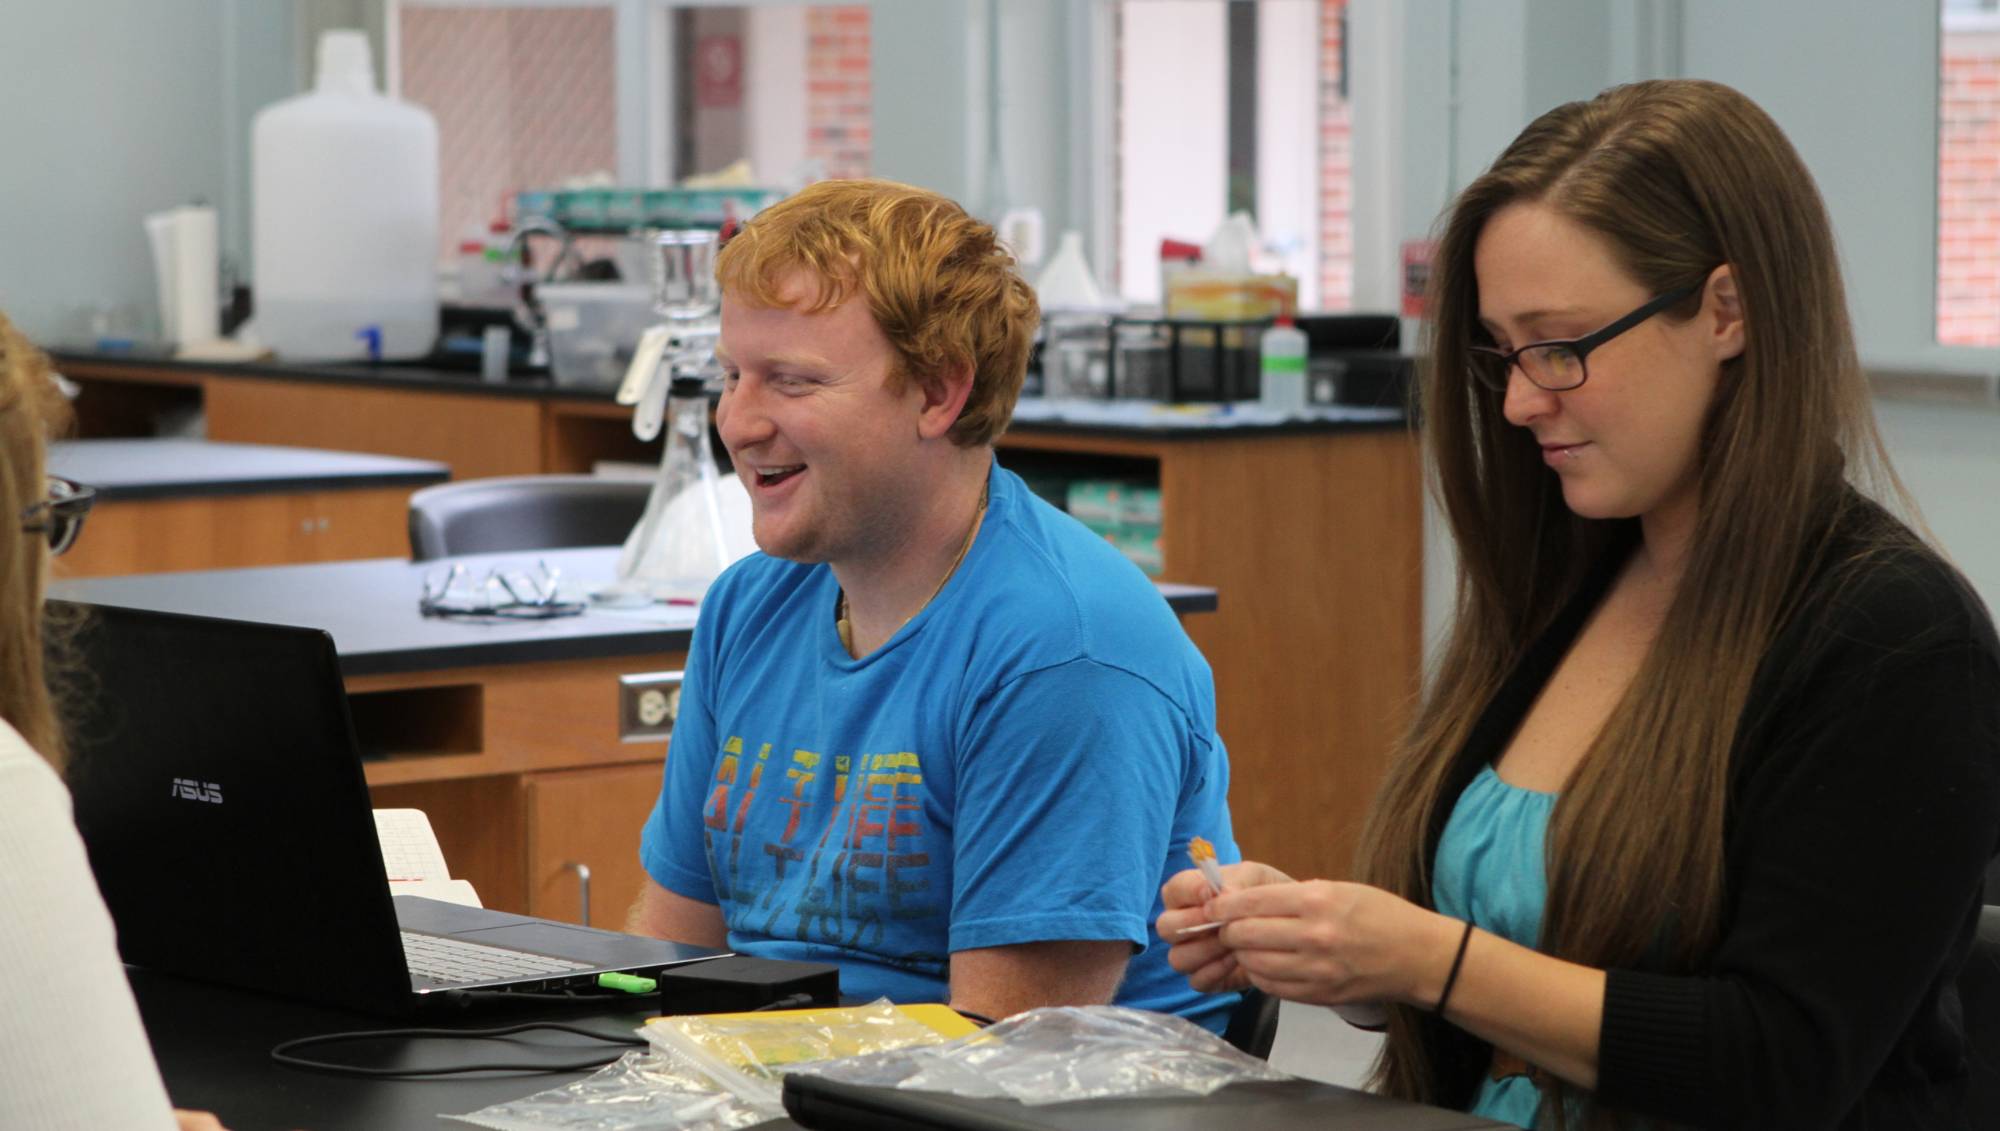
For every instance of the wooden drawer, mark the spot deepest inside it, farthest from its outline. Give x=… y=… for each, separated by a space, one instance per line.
x=590 y=818
x=235 y=531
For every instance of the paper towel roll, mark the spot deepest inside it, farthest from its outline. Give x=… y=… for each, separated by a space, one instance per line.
x=184 y=269
x=196 y=314
x=160 y=233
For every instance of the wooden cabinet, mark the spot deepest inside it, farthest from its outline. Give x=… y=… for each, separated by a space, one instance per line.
x=478 y=436
x=233 y=531
x=518 y=838
x=590 y=818
x=522 y=773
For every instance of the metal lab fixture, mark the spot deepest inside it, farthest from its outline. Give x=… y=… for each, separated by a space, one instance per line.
x=528 y=307
x=689 y=300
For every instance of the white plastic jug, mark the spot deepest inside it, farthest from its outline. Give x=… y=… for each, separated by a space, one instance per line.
x=344 y=216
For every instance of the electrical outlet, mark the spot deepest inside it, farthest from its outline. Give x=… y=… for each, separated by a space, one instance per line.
x=648 y=703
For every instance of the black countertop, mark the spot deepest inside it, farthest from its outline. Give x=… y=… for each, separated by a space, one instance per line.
x=392 y=374
x=1128 y=419
x=213 y=1044
x=370 y=608
x=158 y=469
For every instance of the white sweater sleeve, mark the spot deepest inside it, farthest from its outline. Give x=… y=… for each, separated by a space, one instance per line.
x=73 y=1053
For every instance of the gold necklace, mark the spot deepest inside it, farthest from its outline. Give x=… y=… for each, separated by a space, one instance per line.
x=846 y=627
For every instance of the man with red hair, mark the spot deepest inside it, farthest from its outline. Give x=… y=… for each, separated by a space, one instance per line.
x=936 y=733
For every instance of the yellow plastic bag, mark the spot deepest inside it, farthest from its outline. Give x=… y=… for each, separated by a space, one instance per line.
x=748 y=1053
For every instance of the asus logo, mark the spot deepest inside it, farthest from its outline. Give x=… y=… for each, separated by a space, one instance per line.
x=193 y=790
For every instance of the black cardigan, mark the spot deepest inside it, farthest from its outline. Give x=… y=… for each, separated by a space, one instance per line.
x=1864 y=806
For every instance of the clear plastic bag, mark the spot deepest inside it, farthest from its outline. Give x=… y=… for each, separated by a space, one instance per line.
x=1057 y=1055
x=727 y=1072
x=707 y=1073
x=641 y=1091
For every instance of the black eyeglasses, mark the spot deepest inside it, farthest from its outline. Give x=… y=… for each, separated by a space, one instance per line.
x=60 y=516
x=1558 y=366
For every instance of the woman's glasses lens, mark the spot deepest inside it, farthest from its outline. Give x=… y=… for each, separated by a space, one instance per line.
x=59 y=517
x=63 y=530
x=1554 y=368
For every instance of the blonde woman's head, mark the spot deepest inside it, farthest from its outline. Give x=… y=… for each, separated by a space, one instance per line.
x=32 y=411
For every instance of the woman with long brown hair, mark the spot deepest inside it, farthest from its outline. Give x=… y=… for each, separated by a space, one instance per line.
x=1693 y=820
x=72 y=1051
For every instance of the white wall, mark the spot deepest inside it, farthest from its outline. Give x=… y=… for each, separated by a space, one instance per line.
x=1035 y=101
x=1946 y=457
x=117 y=109
x=935 y=104
x=926 y=131
x=1855 y=88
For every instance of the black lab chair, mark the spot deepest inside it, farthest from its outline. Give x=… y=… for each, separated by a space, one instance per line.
x=524 y=512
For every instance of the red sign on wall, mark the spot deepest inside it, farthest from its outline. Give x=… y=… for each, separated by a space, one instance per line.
x=1416 y=275
x=718 y=72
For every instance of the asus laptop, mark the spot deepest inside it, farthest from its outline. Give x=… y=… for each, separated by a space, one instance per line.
x=220 y=794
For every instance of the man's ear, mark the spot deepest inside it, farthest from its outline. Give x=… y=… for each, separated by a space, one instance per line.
x=944 y=394
x=1724 y=304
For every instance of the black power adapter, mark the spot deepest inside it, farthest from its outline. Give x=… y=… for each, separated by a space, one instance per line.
x=739 y=983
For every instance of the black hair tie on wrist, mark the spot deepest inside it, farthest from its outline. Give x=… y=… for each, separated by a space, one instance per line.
x=1457 y=960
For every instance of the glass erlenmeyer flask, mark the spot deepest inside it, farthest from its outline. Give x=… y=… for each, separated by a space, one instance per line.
x=679 y=546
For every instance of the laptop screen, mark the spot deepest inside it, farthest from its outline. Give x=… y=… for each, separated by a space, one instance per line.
x=220 y=796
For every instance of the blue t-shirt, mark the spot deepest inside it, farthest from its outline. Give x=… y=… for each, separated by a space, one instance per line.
x=1490 y=871
x=1024 y=761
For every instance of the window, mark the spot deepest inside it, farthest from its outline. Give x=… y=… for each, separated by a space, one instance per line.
x=785 y=87
x=1223 y=105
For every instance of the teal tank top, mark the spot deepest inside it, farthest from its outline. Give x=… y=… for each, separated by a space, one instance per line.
x=1490 y=873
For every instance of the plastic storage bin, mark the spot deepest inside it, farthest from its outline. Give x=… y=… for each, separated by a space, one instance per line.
x=594 y=328
x=344 y=216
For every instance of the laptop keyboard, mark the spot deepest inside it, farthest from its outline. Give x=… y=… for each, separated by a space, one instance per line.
x=455 y=960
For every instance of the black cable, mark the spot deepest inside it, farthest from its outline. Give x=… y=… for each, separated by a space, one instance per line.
x=282 y=1053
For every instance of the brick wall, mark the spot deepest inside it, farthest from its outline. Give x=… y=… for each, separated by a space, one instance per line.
x=524 y=97
x=1336 y=166
x=840 y=105
x=1968 y=283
